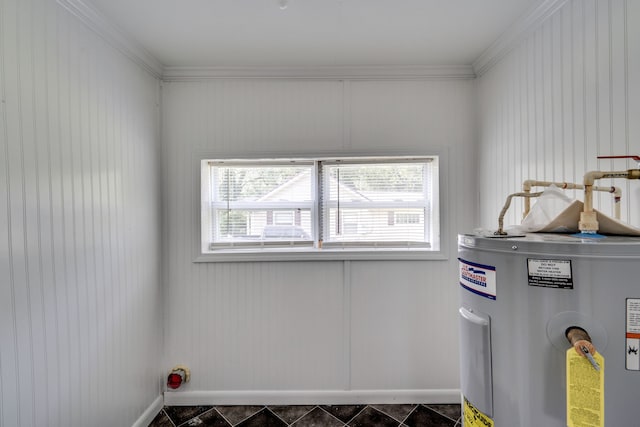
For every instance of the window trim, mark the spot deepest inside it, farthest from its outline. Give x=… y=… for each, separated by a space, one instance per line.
x=292 y=253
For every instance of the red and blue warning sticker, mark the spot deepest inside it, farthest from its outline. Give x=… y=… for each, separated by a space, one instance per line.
x=478 y=278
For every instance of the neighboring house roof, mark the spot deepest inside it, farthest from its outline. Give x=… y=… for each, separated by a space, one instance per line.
x=299 y=184
x=393 y=196
x=295 y=184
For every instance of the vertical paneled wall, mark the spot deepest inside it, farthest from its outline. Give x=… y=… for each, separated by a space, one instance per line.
x=80 y=289
x=314 y=326
x=567 y=94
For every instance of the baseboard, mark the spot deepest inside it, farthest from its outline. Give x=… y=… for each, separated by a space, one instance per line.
x=310 y=397
x=150 y=413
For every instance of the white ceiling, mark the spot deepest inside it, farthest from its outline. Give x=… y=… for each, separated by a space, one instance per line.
x=312 y=33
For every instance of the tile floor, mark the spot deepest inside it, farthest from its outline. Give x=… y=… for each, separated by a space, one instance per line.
x=310 y=416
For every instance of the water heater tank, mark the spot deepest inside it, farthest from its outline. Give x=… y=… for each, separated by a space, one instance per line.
x=518 y=297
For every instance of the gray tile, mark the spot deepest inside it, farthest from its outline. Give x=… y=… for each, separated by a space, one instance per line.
x=343 y=412
x=238 y=413
x=318 y=418
x=264 y=418
x=371 y=417
x=181 y=414
x=161 y=420
x=397 y=412
x=423 y=416
x=208 y=419
x=452 y=411
x=291 y=413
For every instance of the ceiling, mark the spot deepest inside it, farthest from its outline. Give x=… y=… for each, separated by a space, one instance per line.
x=313 y=33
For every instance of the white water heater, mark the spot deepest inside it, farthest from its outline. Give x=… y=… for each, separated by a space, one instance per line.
x=518 y=297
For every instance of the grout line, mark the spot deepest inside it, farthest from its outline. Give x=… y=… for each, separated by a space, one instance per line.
x=409 y=414
x=444 y=415
x=382 y=412
x=223 y=417
x=199 y=415
x=168 y=417
x=276 y=415
x=399 y=420
x=301 y=416
x=330 y=414
x=360 y=412
x=245 y=419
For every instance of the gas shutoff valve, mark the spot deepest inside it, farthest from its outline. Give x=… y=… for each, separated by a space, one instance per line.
x=179 y=374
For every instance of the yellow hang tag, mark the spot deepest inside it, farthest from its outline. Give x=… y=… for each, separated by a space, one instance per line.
x=473 y=417
x=585 y=391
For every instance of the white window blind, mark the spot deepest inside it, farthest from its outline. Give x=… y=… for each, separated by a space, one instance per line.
x=377 y=203
x=259 y=204
x=359 y=203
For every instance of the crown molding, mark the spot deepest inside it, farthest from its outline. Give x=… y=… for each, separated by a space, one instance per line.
x=516 y=33
x=113 y=35
x=510 y=39
x=455 y=72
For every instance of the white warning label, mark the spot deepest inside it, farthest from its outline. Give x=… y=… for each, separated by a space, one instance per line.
x=550 y=273
x=633 y=334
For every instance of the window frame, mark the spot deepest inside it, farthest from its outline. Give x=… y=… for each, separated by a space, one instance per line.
x=337 y=253
x=328 y=204
x=275 y=205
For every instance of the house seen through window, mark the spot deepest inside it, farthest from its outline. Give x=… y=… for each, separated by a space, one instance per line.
x=316 y=204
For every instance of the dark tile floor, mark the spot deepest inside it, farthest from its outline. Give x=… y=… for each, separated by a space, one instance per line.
x=310 y=416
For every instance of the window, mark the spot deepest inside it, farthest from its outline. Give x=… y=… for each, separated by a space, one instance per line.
x=320 y=205
x=357 y=196
x=407 y=218
x=257 y=204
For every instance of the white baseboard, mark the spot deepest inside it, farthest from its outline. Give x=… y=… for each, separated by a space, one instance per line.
x=150 y=413
x=310 y=397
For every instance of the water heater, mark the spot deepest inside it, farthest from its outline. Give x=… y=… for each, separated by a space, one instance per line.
x=518 y=297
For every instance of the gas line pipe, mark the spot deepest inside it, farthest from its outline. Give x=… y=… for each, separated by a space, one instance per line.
x=528 y=184
x=527 y=195
x=588 y=219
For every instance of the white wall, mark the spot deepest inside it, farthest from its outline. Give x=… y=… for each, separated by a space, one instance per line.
x=80 y=288
x=568 y=93
x=315 y=326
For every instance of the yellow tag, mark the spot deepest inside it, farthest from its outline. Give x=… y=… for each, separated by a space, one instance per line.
x=585 y=391
x=473 y=417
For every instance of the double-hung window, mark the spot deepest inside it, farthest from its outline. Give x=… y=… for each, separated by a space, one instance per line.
x=257 y=204
x=314 y=205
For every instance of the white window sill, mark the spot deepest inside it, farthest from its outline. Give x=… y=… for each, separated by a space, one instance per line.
x=333 y=254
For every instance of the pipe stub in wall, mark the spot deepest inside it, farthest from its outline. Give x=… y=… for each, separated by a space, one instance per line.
x=558 y=324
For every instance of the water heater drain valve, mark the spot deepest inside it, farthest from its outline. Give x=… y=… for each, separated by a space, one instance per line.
x=179 y=374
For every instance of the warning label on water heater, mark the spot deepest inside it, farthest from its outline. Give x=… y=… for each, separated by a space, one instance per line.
x=633 y=334
x=473 y=417
x=550 y=273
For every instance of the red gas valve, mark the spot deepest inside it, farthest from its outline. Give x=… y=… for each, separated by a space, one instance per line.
x=178 y=375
